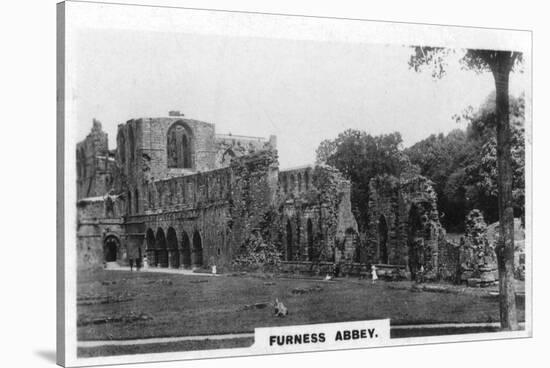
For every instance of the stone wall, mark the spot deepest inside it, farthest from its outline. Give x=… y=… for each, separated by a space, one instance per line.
x=229 y=146
x=315 y=222
x=98 y=219
x=210 y=213
x=403 y=212
x=94 y=164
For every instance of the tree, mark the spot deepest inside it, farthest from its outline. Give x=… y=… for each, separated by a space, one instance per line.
x=500 y=64
x=482 y=172
x=360 y=157
x=462 y=164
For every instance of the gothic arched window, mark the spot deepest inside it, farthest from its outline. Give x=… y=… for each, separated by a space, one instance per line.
x=179 y=146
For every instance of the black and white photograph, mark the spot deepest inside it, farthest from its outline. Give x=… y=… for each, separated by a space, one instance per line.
x=243 y=183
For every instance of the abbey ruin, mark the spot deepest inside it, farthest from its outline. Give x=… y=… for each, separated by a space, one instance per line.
x=175 y=192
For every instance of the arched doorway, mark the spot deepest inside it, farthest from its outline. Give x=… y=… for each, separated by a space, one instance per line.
x=162 y=252
x=415 y=240
x=309 y=231
x=185 y=251
x=172 y=243
x=110 y=249
x=383 y=240
x=289 y=247
x=151 y=252
x=197 y=249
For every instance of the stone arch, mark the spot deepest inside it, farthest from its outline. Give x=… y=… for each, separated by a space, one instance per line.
x=309 y=231
x=228 y=155
x=160 y=245
x=383 y=240
x=306 y=179
x=173 y=249
x=299 y=182
x=289 y=244
x=292 y=183
x=180 y=146
x=285 y=183
x=185 y=250
x=150 y=244
x=197 y=256
x=111 y=246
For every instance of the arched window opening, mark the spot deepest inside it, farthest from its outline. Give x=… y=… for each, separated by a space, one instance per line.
x=151 y=251
x=179 y=146
x=197 y=249
x=306 y=180
x=185 y=251
x=110 y=249
x=172 y=244
x=160 y=245
x=299 y=182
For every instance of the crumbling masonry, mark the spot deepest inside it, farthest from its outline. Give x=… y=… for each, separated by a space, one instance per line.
x=181 y=196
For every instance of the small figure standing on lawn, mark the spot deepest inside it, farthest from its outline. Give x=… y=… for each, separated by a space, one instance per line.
x=373 y=273
x=336 y=270
x=214 y=270
x=131 y=264
x=420 y=277
x=145 y=263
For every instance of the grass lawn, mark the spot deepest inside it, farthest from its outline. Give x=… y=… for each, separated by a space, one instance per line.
x=129 y=305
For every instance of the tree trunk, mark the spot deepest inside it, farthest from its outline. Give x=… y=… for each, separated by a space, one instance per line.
x=505 y=248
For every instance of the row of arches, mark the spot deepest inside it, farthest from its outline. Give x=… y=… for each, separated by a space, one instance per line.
x=299 y=182
x=167 y=250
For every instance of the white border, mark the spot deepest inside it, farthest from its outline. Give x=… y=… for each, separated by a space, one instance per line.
x=258 y=25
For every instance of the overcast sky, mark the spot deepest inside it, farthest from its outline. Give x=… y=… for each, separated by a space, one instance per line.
x=301 y=91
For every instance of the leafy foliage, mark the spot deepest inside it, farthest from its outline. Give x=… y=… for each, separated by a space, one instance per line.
x=462 y=164
x=435 y=59
x=360 y=157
